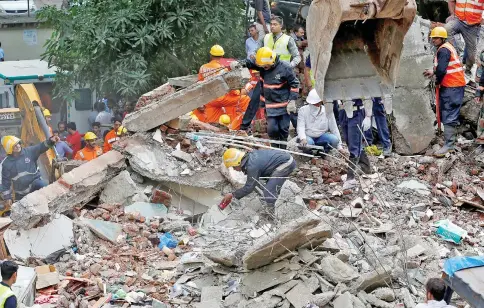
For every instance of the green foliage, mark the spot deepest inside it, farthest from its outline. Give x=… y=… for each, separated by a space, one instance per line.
x=129 y=47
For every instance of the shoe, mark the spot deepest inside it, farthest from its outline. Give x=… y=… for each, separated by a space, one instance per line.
x=352 y=168
x=364 y=163
x=387 y=152
x=449 y=137
x=349 y=184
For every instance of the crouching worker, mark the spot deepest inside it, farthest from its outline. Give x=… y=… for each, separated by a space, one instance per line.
x=317 y=126
x=20 y=168
x=91 y=150
x=256 y=164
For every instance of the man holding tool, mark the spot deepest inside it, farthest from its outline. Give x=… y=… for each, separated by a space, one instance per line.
x=450 y=83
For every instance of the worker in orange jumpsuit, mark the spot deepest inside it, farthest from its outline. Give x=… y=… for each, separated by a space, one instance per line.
x=91 y=150
x=233 y=104
x=112 y=135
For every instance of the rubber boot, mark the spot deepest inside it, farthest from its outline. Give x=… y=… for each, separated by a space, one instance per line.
x=350 y=175
x=364 y=163
x=449 y=138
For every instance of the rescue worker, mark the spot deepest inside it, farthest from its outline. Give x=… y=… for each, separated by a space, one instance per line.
x=112 y=135
x=224 y=120
x=20 y=168
x=355 y=119
x=48 y=118
x=9 y=277
x=478 y=98
x=280 y=91
x=91 y=150
x=256 y=164
x=233 y=104
x=466 y=19
x=381 y=125
x=449 y=76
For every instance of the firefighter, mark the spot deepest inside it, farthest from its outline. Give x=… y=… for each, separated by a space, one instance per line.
x=91 y=150
x=275 y=164
x=112 y=135
x=280 y=91
x=20 y=168
x=450 y=78
x=48 y=118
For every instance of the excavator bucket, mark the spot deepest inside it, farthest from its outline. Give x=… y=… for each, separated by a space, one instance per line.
x=355 y=46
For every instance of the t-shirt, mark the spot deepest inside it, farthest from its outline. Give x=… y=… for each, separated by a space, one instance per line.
x=75 y=141
x=11 y=302
x=62 y=148
x=263 y=6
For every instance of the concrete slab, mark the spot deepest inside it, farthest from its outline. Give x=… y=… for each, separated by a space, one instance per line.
x=146 y=209
x=118 y=189
x=106 y=230
x=415 y=251
x=299 y=296
x=212 y=293
x=337 y=271
x=343 y=301
x=258 y=281
x=40 y=242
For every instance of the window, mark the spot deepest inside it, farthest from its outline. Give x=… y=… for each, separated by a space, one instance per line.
x=83 y=99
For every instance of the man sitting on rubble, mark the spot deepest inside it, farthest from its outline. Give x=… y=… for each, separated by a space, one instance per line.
x=317 y=126
x=233 y=104
x=256 y=164
x=9 y=277
x=435 y=291
x=20 y=168
x=112 y=136
x=91 y=150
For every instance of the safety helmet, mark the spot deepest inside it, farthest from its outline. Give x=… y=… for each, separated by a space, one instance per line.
x=224 y=119
x=313 y=97
x=217 y=51
x=90 y=136
x=46 y=112
x=265 y=56
x=121 y=131
x=8 y=142
x=232 y=157
x=438 y=32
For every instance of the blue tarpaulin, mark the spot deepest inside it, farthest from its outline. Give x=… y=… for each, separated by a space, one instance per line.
x=455 y=264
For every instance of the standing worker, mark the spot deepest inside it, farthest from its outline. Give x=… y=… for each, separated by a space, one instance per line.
x=280 y=92
x=48 y=119
x=449 y=77
x=9 y=277
x=74 y=138
x=256 y=164
x=466 y=19
x=214 y=67
x=381 y=126
x=20 y=168
x=91 y=150
x=262 y=17
x=112 y=136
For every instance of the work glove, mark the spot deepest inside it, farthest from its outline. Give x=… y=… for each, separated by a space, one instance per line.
x=291 y=107
x=235 y=65
x=366 y=124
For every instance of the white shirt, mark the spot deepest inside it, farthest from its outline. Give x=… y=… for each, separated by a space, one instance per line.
x=434 y=304
x=314 y=121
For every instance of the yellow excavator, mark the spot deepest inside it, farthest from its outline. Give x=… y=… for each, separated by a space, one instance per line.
x=23 y=87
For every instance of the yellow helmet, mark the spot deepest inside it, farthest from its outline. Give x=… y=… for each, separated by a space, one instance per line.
x=438 y=32
x=46 y=112
x=8 y=142
x=121 y=131
x=224 y=119
x=265 y=56
x=217 y=51
x=232 y=157
x=90 y=136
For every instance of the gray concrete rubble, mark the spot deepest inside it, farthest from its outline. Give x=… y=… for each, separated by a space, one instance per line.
x=179 y=103
x=74 y=188
x=289 y=205
x=413 y=129
x=119 y=189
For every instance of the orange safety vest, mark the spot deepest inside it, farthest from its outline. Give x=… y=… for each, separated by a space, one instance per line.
x=88 y=153
x=110 y=138
x=454 y=77
x=211 y=69
x=469 y=11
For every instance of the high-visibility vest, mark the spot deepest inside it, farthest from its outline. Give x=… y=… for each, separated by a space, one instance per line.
x=110 y=138
x=280 y=46
x=5 y=293
x=454 y=77
x=469 y=11
x=311 y=75
x=89 y=153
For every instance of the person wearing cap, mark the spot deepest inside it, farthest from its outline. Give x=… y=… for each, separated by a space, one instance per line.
x=273 y=164
x=214 y=67
x=91 y=150
x=317 y=124
x=20 y=170
x=112 y=135
x=450 y=80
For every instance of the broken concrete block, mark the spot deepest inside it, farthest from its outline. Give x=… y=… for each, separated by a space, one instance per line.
x=337 y=271
x=299 y=296
x=119 y=189
x=322 y=299
x=179 y=103
x=210 y=293
x=289 y=237
x=415 y=251
x=153 y=95
x=289 y=205
x=151 y=161
x=258 y=281
x=56 y=235
x=182 y=155
x=350 y=212
x=374 y=301
x=407 y=298
x=226 y=258
x=209 y=304
x=74 y=188
x=322 y=230
x=385 y=294
x=148 y=210
x=380 y=277
x=105 y=230
x=343 y=301
x=262 y=301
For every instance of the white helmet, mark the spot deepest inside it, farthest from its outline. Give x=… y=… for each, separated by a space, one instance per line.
x=313 y=97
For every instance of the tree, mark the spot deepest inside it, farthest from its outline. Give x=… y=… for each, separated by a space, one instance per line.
x=129 y=47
